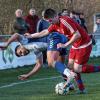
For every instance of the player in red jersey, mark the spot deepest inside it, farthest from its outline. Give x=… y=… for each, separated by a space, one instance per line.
x=78 y=38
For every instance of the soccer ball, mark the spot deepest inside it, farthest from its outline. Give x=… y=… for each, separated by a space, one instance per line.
x=59 y=89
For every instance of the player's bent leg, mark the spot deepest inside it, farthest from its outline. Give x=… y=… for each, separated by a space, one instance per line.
x=73 y=55
x=13 y=38
x=59 y=66
x=78 y=69
x=70 y=63
x=52 y=56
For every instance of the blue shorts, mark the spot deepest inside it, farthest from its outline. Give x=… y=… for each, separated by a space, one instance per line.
x=54 y=39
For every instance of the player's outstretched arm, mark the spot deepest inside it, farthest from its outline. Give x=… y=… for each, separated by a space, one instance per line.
x=38 y=35
x=13 y=38
x=33 y=71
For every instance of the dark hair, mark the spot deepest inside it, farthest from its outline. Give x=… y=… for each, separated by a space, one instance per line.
x=20 y=55
x=59 y=14
x=16 y=50
x=49 y=13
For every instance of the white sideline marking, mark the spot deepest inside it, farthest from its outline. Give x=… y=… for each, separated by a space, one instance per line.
x=17 y=83
x=40 y=79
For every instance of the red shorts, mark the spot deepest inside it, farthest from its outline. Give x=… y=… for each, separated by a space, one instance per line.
x=81 y=56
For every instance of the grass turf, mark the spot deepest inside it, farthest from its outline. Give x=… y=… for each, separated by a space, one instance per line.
x=44 y=89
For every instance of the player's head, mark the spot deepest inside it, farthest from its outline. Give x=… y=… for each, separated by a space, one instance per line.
x=21 y=51
x=51 y=16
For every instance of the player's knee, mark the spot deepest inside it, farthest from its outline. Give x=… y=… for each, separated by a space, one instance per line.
x=49 y=64
x=77 y=69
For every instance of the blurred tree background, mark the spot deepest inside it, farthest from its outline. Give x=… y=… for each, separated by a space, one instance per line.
x=8 y=7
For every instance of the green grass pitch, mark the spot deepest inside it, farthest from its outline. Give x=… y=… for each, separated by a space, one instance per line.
x=41 y=86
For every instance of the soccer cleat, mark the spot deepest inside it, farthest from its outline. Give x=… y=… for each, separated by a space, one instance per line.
x=68 y=75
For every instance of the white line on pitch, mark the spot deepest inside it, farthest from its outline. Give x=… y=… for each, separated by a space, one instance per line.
x=17 y=83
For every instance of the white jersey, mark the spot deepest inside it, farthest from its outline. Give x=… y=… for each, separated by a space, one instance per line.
x=36 y=47
x=41 y=46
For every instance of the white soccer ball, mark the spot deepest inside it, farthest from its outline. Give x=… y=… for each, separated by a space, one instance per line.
x=59 y=89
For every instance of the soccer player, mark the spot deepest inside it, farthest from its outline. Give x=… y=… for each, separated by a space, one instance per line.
x=25 y=47
x=78 y=38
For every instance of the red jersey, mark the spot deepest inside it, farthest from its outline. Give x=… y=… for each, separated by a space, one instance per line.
x=68 y=27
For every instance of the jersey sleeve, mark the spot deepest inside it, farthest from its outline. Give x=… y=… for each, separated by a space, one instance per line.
x=51 y=28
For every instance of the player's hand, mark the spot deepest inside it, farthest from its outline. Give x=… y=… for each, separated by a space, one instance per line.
x=28 y=35
x=60 y=45
x=23 y=77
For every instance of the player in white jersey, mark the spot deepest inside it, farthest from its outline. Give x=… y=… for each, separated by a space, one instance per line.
x=25 y=47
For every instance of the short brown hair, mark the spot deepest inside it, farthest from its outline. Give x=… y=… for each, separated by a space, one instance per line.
x=16 y=50
x=49 y=13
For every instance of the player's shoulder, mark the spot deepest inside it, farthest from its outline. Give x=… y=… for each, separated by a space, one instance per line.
x=65 y=18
